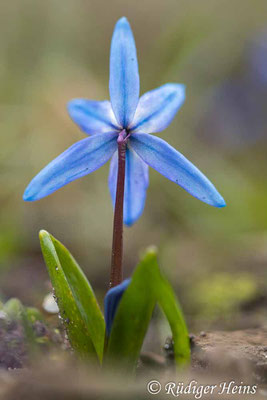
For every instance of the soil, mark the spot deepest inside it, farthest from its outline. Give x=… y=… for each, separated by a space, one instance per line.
x=15 y=351
x=239 y=354
x=216 y=356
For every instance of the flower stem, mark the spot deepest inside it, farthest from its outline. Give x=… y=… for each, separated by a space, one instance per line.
x=117 y=242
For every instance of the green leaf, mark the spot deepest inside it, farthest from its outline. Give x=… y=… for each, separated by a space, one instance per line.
x=78 y=307
x=133 y=316
x=33 y=315
x=172 y=310
x=16 y=312
x=134 y=312
x=13 y=308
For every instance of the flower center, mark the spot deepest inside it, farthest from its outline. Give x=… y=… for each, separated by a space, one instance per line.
x=123 y=137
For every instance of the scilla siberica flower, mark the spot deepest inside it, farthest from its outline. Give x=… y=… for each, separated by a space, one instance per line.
x=104 y=120
x=112 y=301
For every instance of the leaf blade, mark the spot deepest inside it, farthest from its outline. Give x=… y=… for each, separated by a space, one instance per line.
x=172 y=310
x=73 y=291
x=134 y=312
x=84 y=296
x=132 y=318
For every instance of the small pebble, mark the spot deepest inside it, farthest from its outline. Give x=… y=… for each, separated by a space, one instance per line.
x=50 y=305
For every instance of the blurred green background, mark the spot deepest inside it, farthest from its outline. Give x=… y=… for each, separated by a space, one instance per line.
x=54 y=51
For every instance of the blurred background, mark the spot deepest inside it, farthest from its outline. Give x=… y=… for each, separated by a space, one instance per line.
x=54 y=51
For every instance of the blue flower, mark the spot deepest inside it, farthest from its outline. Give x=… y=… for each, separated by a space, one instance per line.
x=104 y=120
x=111 y=302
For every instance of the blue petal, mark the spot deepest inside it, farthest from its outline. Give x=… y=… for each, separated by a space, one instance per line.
x=92 y=116
x=80 y=159
x=173 y=165
x=112 y=178
x=136 y=183
x=124 y=77
x=111 y=302
x=157 y=108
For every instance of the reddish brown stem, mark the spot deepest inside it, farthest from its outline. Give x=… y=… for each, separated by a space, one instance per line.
x=117 y=242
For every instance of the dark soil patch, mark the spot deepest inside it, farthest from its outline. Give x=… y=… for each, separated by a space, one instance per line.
x=15 y=348
x=13 y=352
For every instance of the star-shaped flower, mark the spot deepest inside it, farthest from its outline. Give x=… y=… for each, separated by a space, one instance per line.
x=138 y=118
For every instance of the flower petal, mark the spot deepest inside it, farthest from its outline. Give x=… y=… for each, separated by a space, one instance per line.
x=136 y=183
x=173 y=165
x=111 y=302
x=112 y=178
x=124 y=77
x=92 y=116
x=157 y=108
x=80 y=159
